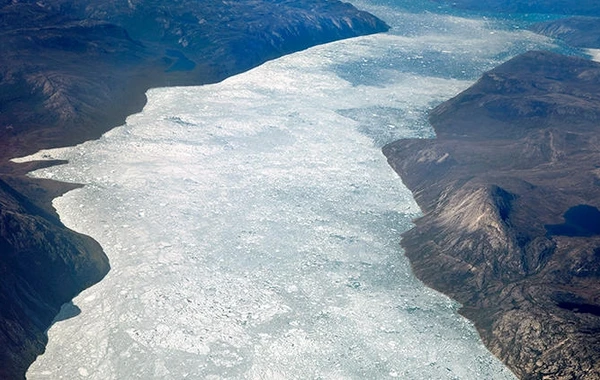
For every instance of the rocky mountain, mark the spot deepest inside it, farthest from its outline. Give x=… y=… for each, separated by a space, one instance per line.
x=510 y=191
x=583 y=32
x=72 y=69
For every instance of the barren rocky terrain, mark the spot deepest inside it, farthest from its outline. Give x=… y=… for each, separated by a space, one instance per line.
x=510 y=194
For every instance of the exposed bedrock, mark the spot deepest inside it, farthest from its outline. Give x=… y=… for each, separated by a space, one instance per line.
x=71 y=70
x=510 y=191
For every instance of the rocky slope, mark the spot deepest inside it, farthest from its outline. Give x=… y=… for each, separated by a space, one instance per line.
x=43 y=265
x=510 y=191
x=71 y=70
x=583 y=32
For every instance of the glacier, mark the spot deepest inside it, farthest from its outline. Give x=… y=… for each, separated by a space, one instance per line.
x=253 y=225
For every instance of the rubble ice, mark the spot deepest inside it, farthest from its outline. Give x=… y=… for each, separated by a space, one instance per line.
x=253 y=225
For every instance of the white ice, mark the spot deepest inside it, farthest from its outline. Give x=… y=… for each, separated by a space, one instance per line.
x=253 y=225
x=594 y=54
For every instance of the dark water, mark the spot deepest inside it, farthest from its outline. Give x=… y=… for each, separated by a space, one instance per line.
x=580 y=220
x=580 y=307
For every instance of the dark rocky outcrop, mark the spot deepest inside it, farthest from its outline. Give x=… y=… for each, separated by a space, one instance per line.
x=72 y=69
x=510 y=191
x=42 y=266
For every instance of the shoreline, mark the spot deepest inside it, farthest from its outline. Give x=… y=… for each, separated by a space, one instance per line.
x=514 y=157
x=92 y=74
x=188 y=123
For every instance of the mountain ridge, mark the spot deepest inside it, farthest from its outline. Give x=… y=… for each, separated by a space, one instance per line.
x=513 y=155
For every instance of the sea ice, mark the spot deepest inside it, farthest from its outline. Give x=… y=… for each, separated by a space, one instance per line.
x=253 y=225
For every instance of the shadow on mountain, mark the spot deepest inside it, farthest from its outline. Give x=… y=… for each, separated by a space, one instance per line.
x=580 y=308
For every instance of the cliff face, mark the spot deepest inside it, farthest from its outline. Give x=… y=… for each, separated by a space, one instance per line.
x=510 y=191
x=72 y=69
x=43 y=265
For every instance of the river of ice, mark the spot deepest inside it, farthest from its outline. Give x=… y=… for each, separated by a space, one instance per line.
x=253 y=225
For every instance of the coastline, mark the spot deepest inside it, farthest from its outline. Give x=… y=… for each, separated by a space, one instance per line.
x=198 y=259
x=496 y=201
x=105 y=72
x=514 y=157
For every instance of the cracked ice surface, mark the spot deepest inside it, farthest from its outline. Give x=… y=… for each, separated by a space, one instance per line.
x=253 y=226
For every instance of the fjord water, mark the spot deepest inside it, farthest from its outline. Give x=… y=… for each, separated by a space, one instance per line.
x=253 y=225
